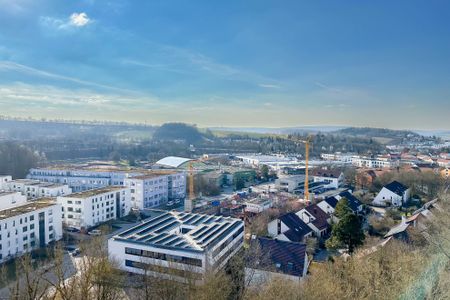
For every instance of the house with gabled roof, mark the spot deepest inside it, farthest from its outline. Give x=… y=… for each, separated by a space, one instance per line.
x=280 y=259
x=332 y=178
x=289 y=227
x=355 y=205
x=317 y=219
x=394 y=193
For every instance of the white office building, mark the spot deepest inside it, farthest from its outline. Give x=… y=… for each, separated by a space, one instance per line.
x=178 y=246
x=290 y=184
x=34 y=188
x=91 y=208
x=156 y=188
x=25 y=226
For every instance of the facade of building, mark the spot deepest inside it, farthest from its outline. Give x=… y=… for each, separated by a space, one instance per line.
x=258 y=205
x=178 y=246
x=394 y=193
x=290 y=184
x=346 y=158
x=91 y=208
x=82 y=179
x=377 y=162
x=289 y=227
x=316 y=219
x=332 y=178
x=26 y=226
x=34 y=188
x=154 y=189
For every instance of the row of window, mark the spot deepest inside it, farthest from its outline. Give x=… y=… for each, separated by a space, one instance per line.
x=164 y=256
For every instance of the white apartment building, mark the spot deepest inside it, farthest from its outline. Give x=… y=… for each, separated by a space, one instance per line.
x=91 y=208
x=376 y=163
x=25 y=226
x=156 y=188
x=82 y=179
x=34 y=188
x=178 y=246
x=258 y=205
x=346 y=158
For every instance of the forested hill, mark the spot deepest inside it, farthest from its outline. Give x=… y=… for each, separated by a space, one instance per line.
x=182 y=132
x=383 y=135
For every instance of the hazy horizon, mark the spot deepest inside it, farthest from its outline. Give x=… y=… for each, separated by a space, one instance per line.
x=230 y=64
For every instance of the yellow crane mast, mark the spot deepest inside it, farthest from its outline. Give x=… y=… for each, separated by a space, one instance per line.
x=307 y=142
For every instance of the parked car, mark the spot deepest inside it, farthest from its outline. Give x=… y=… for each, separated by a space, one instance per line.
x=72 y=229
x=95 y=232
x=170 y=203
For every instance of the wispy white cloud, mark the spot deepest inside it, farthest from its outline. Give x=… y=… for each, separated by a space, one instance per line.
x=13 y=66
x=160 y=67
x=20 y=94
x=269 y=86
x=75 y=20
x=327 y=87
x=79 y=19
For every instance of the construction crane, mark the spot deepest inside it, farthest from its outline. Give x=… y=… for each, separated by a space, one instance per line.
x=307 y=143
x=188 y=202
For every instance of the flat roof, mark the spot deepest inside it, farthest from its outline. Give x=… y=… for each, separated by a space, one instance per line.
x=154 y=174
x=6 y=193
x=180 y=230
x=94 y=192
x=26 y=208
x=38 y=183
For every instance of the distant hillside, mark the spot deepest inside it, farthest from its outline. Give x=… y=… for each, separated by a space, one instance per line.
x=381 y=135
x=180 y=131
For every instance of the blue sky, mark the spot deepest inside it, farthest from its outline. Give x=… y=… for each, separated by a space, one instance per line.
x=228 y=63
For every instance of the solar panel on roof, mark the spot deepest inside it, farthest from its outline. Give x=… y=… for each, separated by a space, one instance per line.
x=161 y=241
x=199 y=231
x=146 y=222
x=156 y=237
x=201 y=220
x=206 y=239
x=167 y=227
x=210 y=220
x=207 y=231
x=224 y=234
x=176 y=240
x=153 y=227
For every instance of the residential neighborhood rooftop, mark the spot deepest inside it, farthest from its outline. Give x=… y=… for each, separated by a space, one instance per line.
x=283 y=257
x=94 y=192
x=396 y=187
x=321 y=217
x=26 y=208
x=297 y=228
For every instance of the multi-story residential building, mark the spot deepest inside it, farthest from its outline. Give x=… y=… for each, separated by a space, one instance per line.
x=25 y=226
x=346 y=158
x=82 y=179
x=178 y=246
x=91 y=208
x=331 y=178
x=34 y=188
x=377 y=163
x=156 y=188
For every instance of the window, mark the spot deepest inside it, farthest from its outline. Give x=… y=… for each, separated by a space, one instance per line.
x=31 y=226
x=24 y=229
